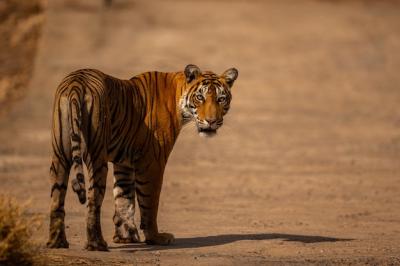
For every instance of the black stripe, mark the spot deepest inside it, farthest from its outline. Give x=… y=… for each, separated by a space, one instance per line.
x=75 y=148
x=120 y=155
x=58 y=187
x=121 y=173
x=140 y=193
x=122 y=183
x=142 y=182
x=144 y=207
x=97 y=186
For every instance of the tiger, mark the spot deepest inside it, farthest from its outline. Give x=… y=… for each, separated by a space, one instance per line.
x=133 y=124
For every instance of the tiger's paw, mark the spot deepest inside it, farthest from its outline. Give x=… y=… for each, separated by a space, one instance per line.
x=57 y=239
x=126 y=234
x=96 y=246
x=59 y=242
x=160 y=239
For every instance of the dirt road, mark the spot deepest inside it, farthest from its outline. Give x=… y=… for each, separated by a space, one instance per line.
x=306 y=168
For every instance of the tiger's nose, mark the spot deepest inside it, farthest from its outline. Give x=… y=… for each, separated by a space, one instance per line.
x=211 y=121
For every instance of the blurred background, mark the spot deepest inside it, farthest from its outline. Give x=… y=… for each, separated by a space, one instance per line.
x=306 y=167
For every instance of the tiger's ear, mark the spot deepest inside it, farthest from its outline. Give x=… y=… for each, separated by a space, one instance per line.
x=230 y=76
x=192 y=72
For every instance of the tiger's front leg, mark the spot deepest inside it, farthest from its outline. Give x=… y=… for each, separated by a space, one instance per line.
x=148 y=188
x=124 y=196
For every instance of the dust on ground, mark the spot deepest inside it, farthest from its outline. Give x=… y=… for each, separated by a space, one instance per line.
x=305 y=169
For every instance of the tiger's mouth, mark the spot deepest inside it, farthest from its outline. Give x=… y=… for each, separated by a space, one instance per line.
x=207 y=132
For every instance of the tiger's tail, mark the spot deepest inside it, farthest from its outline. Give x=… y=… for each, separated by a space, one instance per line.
x=78 y=178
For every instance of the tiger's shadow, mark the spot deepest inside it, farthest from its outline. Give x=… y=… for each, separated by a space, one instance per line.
x=217 y=240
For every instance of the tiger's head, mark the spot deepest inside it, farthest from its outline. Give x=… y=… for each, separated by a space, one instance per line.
x=207 y=98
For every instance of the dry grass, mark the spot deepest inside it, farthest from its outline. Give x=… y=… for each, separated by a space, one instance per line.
x=16 y=227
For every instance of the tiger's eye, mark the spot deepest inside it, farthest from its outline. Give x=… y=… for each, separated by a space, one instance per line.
x=221 y=99
x=199 y=97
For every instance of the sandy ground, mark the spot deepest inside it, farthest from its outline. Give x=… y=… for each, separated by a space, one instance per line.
x=305 y=170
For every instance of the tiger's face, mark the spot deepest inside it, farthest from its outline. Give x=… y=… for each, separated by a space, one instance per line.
x=207 y=99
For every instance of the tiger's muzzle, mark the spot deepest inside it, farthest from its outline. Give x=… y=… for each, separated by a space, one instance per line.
x=208 y=127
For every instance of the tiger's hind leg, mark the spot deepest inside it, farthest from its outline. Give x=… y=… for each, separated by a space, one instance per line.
x=59 y=173
x=124 y=195
x=97 y=186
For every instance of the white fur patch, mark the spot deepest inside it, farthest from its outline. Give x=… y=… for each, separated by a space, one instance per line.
x=207 y=134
